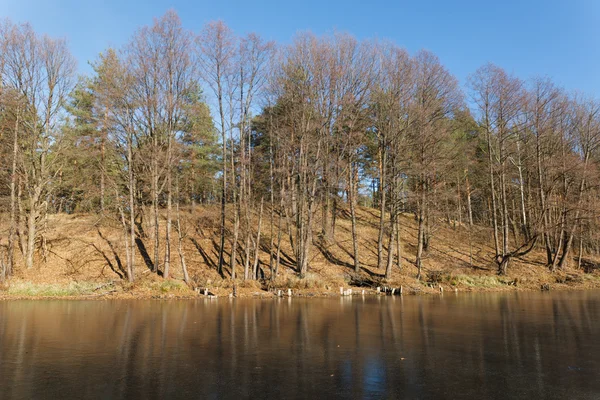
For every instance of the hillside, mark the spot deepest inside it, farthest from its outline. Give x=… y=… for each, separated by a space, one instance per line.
x=84 y=254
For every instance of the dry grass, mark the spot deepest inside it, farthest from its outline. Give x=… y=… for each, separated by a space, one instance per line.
x=310 y=281
x=85 y=252
x=30 y=289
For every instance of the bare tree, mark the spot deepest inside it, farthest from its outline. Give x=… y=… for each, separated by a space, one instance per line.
x=500 y=98
x=391 y=104
x=217 y=47
x=41 y=70
x=436 y=97
x=164 y=73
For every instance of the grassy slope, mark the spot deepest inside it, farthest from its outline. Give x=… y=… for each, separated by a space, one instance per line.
x=84 y=252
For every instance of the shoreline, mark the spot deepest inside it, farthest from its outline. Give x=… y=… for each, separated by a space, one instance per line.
x=178 y=291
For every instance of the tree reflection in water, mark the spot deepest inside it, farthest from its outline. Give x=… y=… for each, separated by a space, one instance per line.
x=456 y=346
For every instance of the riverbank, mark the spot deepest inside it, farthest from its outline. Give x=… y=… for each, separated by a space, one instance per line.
x=84 y=259
x=174 y=289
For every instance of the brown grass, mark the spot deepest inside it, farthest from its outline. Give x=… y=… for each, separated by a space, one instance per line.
x=84 y=252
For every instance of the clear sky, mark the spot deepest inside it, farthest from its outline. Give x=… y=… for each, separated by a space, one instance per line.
x=555 y=38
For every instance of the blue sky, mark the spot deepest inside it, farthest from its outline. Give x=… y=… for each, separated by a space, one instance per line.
x=560 y=39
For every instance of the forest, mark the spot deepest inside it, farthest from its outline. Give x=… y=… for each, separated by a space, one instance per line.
x=267 y=149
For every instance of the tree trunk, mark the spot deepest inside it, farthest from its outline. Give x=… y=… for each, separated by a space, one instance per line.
x=103 y=163
x=352 y=198
x=493 y=192
x=234 y=241
x=155 y=214
x=180 y=237
x=257 y=244
x=21 y=224
x=31 y=233
x=390 y=255
x=542 y=194
x=421 y=230
x=580 y=249
x=272 y=210
x=503 y=200
x=13 y=201
x=128 y=248
x=168 y=227
x=131 y=184
x=398 y=243
x=224 y=177
x=247 y=244
x=382 y=165
x=459 y=201
x=279 y=235
x=186 y=277
x=525 y=226
x=469 y=208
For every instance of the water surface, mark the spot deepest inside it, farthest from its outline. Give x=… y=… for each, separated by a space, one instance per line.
x=484 y=346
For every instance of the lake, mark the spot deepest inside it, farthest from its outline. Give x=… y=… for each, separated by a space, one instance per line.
x=480 y=346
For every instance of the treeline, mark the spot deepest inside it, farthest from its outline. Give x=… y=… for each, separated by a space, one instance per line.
x=286 y=139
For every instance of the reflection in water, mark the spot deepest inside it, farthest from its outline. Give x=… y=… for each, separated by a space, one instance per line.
x=465 y=346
